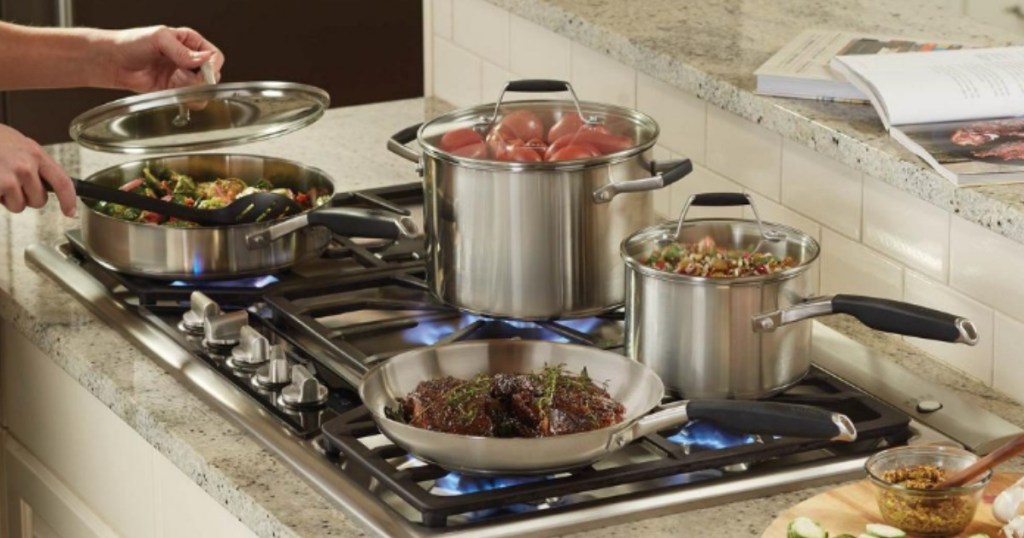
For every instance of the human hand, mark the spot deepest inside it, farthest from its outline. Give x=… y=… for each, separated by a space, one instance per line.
x=23 y=168
x=158 y=58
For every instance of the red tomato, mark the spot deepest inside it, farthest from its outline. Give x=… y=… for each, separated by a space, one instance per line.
x=562 y=142
x=537 y=145
x=525 y=125
x=472 y=151
x=575 y=151
x=568 y=124
x=501 y=140
x=457 y=138
x=525 y=154
x=599 y=137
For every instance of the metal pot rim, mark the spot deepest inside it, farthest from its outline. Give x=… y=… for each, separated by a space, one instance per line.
x=254 y=225
x=646 y=234
x=514 y=166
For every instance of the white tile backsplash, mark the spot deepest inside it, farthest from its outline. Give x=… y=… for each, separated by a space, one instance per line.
x=774 y=212
x=987 y=267
x=680 y=116
x=906 y=228
x=821 y=188
x=975 y=360
x=537 y=52
x=483 y=29
x=744 y=152
x=1007 y=373
x=492 y=80
x=698 y=181
x=599 y=78
x=456 y=74
x=442 y=15
x=849 y=267
x=663 y=197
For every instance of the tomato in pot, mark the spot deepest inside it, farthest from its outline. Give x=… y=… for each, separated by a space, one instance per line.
x=523 y=124
x=525 y=154
x=575 y=151
x=472 y=151
x=600 y=137
x=567 y=124
x=501 y=140
x=458 y=138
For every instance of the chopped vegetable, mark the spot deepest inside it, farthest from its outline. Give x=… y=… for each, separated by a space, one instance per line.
x=171 y=186
x=706 y=259
x=805 y=527
x=884 y=531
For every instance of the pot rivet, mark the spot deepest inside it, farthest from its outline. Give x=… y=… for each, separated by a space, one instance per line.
x=767 y=323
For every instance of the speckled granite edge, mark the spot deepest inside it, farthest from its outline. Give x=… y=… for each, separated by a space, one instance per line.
x=990 y=206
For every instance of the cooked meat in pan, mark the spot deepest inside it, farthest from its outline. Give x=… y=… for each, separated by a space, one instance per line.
x=546 y=403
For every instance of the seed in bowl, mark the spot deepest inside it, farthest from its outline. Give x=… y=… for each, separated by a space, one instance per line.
x=923 y=513
x=707 y=259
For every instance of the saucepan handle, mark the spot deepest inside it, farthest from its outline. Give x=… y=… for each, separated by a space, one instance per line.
x=880 y=314
x=397 y=144
x=664 y=179
x=769 y=418
x=347 y=221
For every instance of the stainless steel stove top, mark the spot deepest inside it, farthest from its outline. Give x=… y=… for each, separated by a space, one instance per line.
x=349 y=321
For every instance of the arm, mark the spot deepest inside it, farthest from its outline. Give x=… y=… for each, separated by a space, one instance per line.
x=140 y=59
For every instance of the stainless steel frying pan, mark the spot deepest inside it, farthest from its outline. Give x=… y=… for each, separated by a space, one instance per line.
x=631 y=383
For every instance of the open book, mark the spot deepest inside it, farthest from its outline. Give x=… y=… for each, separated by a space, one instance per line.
x=800 y=69
x=962 y=111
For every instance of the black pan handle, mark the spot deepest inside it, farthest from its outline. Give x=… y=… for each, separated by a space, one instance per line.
x=537 y=85
x=397 y=144
x=879 y=314
x=906 y=319
x=347 y=221
x=773 y=418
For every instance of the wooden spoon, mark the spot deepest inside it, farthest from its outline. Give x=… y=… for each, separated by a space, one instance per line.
x=968 y=474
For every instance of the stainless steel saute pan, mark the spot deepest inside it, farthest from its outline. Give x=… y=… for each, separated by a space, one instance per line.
x=629 y=382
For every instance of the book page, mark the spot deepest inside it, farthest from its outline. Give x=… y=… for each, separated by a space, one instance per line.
x=956 y=85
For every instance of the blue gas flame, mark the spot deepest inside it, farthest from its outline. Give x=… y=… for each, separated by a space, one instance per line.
x=699 y=435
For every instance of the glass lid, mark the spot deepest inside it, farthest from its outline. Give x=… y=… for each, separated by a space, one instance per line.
x=199 y=117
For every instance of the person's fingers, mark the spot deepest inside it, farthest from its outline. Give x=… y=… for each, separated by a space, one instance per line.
x=10 y=193
x=171 y=46
x=196 y=42
x=52 y=173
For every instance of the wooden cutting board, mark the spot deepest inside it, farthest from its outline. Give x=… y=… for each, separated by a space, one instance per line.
x=847 y=509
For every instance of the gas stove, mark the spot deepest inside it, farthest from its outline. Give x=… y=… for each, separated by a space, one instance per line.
x=282 y=356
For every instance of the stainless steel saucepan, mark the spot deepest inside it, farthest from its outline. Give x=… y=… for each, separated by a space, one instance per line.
x=629 y=382
x=741 y=337
x=211 y=252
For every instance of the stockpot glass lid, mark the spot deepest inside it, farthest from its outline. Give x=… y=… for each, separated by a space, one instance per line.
x=199 y=117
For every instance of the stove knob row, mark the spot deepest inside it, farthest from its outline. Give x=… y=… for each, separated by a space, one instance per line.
x=201 y=307
x=304 y=391
x=276 y=372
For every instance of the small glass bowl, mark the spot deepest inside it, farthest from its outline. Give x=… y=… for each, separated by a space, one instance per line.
x=925 y=512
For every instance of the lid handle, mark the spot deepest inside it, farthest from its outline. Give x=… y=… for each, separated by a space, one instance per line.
x=184 y=114
x=539 y=85
x=722 y=199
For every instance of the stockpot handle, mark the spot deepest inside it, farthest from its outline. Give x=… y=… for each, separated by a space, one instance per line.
x=879 y=314
x=657 y=181
x=540 y=85
x=723 y=199
x=397 y=144
x=768 y=418
x=347 y=221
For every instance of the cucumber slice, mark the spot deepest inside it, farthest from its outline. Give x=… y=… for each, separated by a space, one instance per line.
x=884 y=531
x=805 y=527
x=979 y=535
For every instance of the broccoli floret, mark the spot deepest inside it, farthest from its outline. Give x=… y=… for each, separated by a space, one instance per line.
x=211 y=203
x=183 y=184
x=152 y=182
x=263 y=184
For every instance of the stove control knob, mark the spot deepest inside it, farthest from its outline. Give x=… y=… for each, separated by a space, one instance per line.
x=276 y=372
x=928 y=406
x=224 y=330
x=304 y=390
x=251 y=351
x=200 y=308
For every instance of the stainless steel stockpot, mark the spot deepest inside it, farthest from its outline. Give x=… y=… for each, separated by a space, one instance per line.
x=738 y=337
x=211 y=252
x=534 y=240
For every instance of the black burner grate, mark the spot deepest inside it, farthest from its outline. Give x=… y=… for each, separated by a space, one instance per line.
x=877 y=425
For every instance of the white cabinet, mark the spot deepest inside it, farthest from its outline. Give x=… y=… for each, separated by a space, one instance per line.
x=75 y=469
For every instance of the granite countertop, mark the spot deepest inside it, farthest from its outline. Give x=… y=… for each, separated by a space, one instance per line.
x=231 y=466
x=711 y=50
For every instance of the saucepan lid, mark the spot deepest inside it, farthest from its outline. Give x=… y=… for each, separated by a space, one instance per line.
x=199 y=117
x=769 y=251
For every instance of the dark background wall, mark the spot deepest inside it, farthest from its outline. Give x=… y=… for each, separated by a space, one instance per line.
x=359 y=51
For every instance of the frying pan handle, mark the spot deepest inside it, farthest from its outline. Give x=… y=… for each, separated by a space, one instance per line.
x=397 y=144
x=347 y=221
x=771 y=418
x=664 y=179
x=879 y=314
